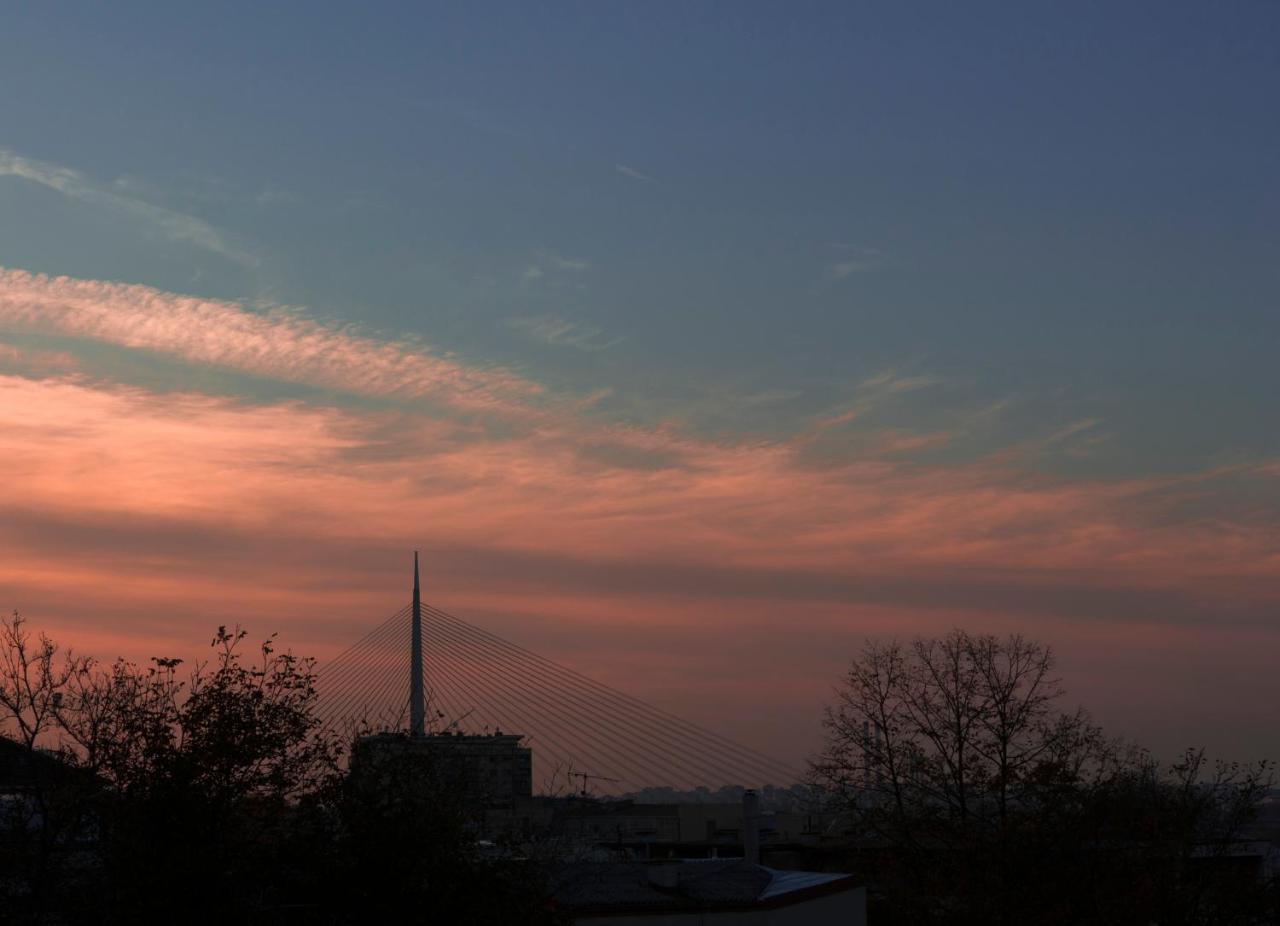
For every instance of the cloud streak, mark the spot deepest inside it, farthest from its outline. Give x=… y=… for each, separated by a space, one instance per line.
x=177 y=226
x=280 y=344
x=856 y=260
x=632 y=173
x=560 y=332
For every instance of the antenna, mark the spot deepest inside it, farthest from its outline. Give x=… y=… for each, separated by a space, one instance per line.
x=586 y=777
x=455 y=724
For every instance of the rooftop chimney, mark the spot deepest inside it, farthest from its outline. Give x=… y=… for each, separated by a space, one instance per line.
x=751 y=827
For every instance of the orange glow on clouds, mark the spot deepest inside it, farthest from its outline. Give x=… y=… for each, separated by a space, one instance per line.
x=135 y=519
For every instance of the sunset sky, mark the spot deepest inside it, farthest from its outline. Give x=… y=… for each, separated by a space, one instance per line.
x=692 y=344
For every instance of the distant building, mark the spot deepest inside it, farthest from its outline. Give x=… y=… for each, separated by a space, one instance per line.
x=23 y=772
x=39 y=790
x=496 y=763
x=494 y=767
x=674 y=830
x=728 y=891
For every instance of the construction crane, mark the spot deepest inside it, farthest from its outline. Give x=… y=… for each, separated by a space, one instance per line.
x=587 y=778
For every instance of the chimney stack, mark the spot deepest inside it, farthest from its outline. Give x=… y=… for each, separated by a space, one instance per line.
x=751 y=827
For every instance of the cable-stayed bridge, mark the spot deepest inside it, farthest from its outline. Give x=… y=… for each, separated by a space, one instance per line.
x=429 y=672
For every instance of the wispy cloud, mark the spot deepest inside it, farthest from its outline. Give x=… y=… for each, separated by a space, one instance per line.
x=890 y=382
x=561 y=332
x=36 y=361
x=567 y=264
x=1066 y=432
x=872 y=394
x=632 y=173
x=545 y=265
x=854 y=259
x=177 y=226
x=274 y=196
x=281 y=344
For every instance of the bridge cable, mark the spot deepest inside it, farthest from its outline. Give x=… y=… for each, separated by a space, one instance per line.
x=690 y=730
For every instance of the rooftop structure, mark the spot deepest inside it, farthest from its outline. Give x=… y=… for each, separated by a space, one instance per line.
x=723 y=891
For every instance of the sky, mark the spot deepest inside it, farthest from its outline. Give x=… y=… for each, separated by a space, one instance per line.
x=692 y=344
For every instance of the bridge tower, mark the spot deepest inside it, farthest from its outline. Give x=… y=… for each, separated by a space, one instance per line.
x=417 y=693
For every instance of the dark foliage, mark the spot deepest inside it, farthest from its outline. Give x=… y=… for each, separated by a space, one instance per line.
x=971 y=797
x=220 y=797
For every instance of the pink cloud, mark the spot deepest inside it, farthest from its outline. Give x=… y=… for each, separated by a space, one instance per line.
x=133 y=520
x=278 y=344
x=91 y=452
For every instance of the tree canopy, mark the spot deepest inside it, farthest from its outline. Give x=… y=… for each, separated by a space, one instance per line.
x=974 y=795
x=216 y=794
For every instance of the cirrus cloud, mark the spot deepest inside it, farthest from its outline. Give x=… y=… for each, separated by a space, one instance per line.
x=178 y=226
x=281 y=344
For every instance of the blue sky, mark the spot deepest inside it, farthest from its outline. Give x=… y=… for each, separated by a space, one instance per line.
x=1019 y=198
x=1038 y=229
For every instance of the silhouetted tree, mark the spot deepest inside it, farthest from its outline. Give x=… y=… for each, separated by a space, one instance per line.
x=46 y=804
x=220 y=796
x=977 y=798
x=195 y=780
x=34 y=675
